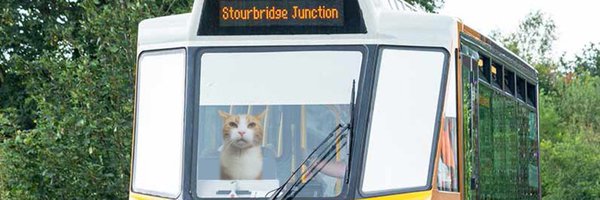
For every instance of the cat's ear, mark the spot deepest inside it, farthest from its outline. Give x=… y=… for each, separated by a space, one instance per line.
x=224 y=115
x=262 y=115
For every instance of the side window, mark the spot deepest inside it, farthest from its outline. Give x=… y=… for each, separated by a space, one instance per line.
x=399 y=149
x=509 y=81
x=497 y=75
x=159 y=123
x=521 y=88
x=484 y=68
x=448 y=162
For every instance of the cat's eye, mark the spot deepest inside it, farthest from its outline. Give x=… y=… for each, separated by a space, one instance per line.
x=251 y=125
x=233 y=124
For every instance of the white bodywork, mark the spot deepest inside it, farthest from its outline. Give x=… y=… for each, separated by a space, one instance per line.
x=388 y=22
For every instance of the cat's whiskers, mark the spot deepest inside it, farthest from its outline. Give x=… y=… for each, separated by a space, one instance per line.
x=226 y=145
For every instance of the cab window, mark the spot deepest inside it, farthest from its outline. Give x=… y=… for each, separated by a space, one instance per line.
x=399 y=153
x=262 y=113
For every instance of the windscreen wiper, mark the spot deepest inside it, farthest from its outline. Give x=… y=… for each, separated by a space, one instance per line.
x=312 y=156
x=323 y=160
x=327 y=153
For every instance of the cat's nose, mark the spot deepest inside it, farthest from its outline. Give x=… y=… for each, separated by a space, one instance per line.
x=241 y=133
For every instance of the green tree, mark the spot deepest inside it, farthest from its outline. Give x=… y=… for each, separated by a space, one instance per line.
x=570 y=141
x=428 y=5
x=588 y=61
x=27 y=29
x=67 y=88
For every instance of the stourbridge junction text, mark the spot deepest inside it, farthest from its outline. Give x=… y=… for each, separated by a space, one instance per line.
x=275 y=13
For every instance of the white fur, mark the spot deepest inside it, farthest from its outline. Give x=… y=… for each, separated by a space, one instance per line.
x=242 y=164
x=241 y=159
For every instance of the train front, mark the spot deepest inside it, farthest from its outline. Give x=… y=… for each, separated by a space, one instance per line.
x=282 y=99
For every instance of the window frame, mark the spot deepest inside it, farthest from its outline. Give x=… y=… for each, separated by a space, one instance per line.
x=439 y=111
x=195 y=54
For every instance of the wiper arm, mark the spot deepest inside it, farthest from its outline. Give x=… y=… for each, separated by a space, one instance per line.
x=291 y=191
x=316 y=167
x=279 y=190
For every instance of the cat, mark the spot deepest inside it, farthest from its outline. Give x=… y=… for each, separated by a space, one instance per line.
x=241 y=154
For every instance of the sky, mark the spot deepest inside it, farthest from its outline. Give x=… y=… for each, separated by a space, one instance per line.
x=577 y=21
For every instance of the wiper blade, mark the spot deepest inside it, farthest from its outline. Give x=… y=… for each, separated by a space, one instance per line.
x=288 y=189
x=316 y=167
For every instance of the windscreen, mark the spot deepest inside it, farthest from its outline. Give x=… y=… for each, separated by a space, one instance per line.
x=262 y=113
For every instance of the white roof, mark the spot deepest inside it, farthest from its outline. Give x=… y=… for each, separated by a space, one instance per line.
x=391 y=22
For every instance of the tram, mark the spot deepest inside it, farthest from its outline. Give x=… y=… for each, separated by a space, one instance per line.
x=329 y=99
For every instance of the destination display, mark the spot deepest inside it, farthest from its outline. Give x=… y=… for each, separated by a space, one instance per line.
x=248 y=13
x=280 y=17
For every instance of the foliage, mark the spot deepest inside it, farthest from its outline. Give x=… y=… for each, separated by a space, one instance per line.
x=67 y=88
x=428 y=5
x=570 y=140
x=588 y=61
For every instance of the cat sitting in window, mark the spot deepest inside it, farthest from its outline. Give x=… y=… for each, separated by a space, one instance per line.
x=241 y=153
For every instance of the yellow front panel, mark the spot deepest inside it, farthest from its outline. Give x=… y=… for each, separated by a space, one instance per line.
x=425 y=195
x=134 y=196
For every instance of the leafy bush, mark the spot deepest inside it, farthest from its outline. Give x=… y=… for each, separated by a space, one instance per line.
x=67 y=96
x=570 y=141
